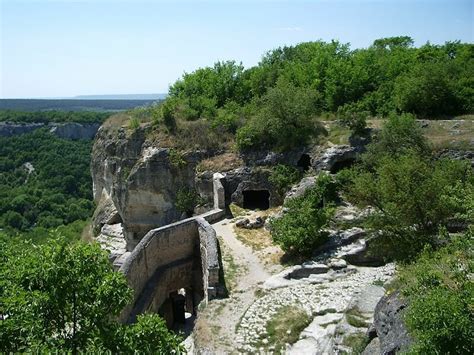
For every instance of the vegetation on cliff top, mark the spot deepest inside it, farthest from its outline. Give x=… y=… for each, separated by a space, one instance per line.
x=274 y=104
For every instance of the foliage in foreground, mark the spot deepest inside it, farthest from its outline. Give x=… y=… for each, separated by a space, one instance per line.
x=440 y=293
x=301 y=229
x=59 y=297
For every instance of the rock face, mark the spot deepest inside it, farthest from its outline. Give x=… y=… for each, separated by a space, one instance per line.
x=335 y=158
x=142 y=181
x=8 y=129
x=75 y=131
x=71 y=130
x=389 y=325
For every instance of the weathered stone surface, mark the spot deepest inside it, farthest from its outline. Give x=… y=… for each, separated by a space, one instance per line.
x=111 y=239
x=249 y=178
x=457 y=154
x=300 y=188
x=373 y=348
x=74 y=131
x=245 y=223
x=361 y=255
x=388 y=322
x=8 y=129
x=105 y=213
x=70 y=130
x=307 y=269
x=334 y=156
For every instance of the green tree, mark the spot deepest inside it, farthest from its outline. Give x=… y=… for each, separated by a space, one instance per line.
x=59 y=297
x=412 y=197
x=284 y=120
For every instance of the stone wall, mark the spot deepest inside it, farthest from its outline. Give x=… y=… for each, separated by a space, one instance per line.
x=180 y=255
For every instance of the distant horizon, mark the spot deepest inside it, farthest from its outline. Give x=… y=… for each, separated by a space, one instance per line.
x=64 y=48
x=147 y=97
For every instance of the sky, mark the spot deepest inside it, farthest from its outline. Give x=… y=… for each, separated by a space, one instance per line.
x=91 y=47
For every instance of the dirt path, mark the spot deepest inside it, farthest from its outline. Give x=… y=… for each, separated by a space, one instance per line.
x=216 y=326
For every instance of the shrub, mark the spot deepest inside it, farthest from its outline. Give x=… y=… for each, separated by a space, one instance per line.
x=186 y=200
x=440 y=292
x=301 y=229
x=134 y=123
x=283 y=121
x=412 y=198
x=284 y=176
x=176 y=158
x=354 y=118
x=400 y=134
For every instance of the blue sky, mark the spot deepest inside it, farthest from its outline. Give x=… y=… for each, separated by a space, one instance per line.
x=66 y=48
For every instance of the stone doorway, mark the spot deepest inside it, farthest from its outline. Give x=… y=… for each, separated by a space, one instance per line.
x=256 y=199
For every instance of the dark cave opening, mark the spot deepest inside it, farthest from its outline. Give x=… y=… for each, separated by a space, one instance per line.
x=256 y=199
x=304 y=162
x=343 y=164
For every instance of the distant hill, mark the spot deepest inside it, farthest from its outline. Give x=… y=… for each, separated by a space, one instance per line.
x=122 y=97
x=102 y=105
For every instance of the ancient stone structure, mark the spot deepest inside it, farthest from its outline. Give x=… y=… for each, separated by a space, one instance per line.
x=178 y=256
x=182 y=255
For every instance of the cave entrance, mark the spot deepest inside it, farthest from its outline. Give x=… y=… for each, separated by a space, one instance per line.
x=256 y=199
x=343 y=164
x=304 y=162
x=178 y=308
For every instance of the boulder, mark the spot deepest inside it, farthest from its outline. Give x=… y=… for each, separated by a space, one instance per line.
x=361 y=255
x=388 y=322
x=334 y=158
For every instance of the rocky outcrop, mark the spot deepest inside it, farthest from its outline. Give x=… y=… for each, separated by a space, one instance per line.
x=70 y=130
x=389 y=325
x=457 y=154
x=8 y=129
x=335 y=158
x=74 y=130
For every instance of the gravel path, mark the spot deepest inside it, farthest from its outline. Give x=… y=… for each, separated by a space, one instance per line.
x=238 y=324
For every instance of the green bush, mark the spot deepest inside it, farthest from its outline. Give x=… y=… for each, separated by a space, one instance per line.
x=283 y=177
x=283 y=121
x=301 y=229
x=412 y=197
x=439 y=289
x=134 y=123
x=186 y=200
x=64 y=298
x=399 y=135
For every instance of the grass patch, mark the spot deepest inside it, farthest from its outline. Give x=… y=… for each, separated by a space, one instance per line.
x=378 y=282
x=355 y=318
x=257 y=239
x=357 y=342
x=230 y=268
x=223 y=162
x=286 y=327
x=237 y=211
